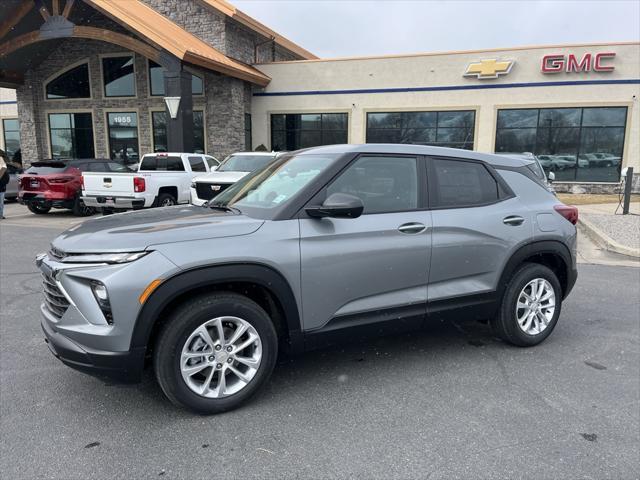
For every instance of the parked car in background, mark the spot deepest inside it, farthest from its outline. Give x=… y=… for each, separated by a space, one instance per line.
x=58 y=184
x=232 y=169
x=561 y=162
x=162 y=179
x=600 y=159
x=13 y=187
x=536 y=167
x=325 y=243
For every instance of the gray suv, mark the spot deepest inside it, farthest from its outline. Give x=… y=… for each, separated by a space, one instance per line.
x=326 y=243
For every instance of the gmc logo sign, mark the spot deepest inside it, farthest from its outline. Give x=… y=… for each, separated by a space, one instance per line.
x=600 y=62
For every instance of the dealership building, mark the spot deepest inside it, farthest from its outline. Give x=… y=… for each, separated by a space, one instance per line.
x=97 y=78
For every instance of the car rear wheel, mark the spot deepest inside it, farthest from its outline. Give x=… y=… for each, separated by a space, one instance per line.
x=530 y=306
x=166 y=200
x=215 y=352
x=38 y=209
x=80 y=209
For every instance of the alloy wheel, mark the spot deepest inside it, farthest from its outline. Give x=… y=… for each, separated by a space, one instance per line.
x=221 y=357
x=536 y=306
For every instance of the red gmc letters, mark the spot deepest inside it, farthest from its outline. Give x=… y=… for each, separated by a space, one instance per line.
x=556 y=63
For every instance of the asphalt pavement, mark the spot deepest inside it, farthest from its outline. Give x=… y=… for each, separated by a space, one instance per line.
x=449 y=402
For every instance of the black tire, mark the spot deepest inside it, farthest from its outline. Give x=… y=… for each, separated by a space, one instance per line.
x=80 y=209
x=505 y=324
x=166 y=200
x=183 y=321
x=38 y=209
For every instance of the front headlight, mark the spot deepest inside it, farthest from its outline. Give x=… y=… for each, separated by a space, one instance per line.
x=193 y=184
x=102 y=257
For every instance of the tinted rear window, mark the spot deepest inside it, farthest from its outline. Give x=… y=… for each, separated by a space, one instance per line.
x=463 y=184
x=45 y=168
x=161 y=163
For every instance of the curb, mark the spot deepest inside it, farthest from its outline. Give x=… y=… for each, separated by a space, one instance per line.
x=603 y=240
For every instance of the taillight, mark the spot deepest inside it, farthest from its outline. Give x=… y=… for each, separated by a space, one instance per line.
x=139 y=184
x=59 y=179
x=569 y=212
x=82 y=182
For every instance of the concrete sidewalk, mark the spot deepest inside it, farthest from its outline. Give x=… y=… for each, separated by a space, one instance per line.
x=615 y=232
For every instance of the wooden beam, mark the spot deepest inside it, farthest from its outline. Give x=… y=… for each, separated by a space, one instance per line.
x=14 y=17
x=42 y=8
x=67 y=8
x=55 y=7
x=91 y=33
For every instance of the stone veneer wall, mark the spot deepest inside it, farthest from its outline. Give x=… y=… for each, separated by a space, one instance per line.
x=225 y=101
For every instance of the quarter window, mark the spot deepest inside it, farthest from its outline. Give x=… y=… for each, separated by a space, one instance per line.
x=295 y=131
x=119 y=76
x=73 y=83
x=384 y=184
x=578 y=144
x=462 y=184
x=445 y=129
x=71 y=135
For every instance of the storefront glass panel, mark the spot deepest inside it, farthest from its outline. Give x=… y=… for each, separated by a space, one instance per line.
x=71 y=135
x=447 y=128
x=159 y=123
x=577 y=144
x=123 y=136
x=295 y=131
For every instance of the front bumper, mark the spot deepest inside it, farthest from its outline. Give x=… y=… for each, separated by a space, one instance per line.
x=113 y=202
x=120 y=366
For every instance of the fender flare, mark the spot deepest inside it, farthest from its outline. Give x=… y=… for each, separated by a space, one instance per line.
x=188 y=280
x=528 y=250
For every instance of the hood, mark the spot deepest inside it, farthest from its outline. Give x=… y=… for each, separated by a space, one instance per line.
x=220 y=177
x=137 y=230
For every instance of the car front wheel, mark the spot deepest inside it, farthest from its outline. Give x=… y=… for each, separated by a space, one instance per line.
x=215 y=352
x=530 y=306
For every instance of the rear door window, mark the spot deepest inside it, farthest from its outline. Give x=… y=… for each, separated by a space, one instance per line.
x=459 y=183
x=197 y=164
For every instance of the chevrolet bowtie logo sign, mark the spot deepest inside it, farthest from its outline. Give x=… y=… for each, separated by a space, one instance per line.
x=488 y=68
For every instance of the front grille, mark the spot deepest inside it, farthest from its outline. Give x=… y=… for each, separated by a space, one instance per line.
x=206 y=191
x=54 y=300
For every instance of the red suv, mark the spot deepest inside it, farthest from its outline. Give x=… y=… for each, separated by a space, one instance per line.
x=58 y=184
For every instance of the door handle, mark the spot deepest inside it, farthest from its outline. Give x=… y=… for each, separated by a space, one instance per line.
x=412 y=228
x=513 y=220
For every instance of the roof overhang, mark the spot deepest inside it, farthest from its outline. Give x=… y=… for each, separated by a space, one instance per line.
x=154 y=34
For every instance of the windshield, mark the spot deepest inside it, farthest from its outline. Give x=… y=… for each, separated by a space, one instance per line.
x=244 y=163
x=275 y=184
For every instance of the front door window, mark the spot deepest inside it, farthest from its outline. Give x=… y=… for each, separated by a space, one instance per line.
x=123 y=136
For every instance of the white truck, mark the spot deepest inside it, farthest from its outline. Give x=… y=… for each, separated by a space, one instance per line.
x=232 y=169
x=162 y=179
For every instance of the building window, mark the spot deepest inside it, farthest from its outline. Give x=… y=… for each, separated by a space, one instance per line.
x=578 y=144
x=156 y=80
x=445 y=129
x=248 y=141
x=123 y=136
x=119 y=76
x=71 y=135
x=159 y=123
x=11 y=130
x=295 y=131
x=73 y=83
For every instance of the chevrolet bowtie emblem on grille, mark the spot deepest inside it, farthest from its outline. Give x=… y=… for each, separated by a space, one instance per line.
x=215 y=188
x=488 y=68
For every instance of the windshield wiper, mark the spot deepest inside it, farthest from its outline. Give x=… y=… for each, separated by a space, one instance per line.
x=224 y=208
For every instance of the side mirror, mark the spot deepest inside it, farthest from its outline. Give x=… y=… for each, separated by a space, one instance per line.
x=551 y=177
x=338 y=205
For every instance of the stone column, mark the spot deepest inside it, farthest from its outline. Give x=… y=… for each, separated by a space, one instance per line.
x=31 y=144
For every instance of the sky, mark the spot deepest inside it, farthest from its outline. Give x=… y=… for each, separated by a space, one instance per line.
x=342 y=28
